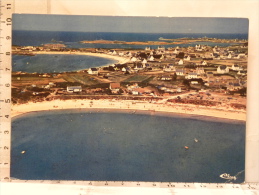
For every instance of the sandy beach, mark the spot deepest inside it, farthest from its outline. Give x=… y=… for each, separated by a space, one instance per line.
x=131 y=106
x=120 y=60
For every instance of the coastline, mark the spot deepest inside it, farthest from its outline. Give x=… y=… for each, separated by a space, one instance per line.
x=121 y=60
x=130 y=106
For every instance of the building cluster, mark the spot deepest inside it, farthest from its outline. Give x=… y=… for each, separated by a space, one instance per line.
x=169 y=70
x=221 y=67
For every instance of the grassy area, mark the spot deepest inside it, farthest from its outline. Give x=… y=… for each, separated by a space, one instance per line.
x=206 y=69
x=24 y=80
x=138 y=79
x=81 y=78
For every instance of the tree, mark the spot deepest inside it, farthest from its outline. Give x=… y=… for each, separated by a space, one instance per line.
x=186 y=83
x=174 y=76
x=180 y=55
x=242 y=91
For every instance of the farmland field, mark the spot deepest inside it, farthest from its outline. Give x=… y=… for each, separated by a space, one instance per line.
x=138 y=78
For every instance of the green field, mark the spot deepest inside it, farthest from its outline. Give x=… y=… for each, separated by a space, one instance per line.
x=83 y=79
x=138 y=79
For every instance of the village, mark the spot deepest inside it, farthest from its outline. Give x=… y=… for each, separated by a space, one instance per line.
x=200 y=75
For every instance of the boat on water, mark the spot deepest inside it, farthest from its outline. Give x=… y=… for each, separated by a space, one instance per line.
x=196 y=140
x=227 y=176
x=23 y=152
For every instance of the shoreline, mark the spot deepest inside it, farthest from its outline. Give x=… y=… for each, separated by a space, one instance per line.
x=130 y=106
x=121 y=60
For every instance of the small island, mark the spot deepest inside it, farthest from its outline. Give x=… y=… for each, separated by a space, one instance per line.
x=165 y=41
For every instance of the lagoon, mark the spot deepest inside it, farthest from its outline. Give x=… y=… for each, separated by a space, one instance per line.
x=119 y=146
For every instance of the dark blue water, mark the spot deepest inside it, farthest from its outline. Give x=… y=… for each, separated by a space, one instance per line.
x=57 y=63
x=72 y=39
x=84 y=145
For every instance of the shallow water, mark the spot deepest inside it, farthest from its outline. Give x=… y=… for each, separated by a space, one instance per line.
x=88 y=145
x=48 y=63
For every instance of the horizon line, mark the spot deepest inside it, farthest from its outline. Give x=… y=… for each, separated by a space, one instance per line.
x=131 y=32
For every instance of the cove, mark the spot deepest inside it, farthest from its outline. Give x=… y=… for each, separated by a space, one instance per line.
x=120 y=146
x=48 y=63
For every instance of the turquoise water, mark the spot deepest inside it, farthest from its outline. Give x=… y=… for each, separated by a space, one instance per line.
x=48 y=63
x=113 y=146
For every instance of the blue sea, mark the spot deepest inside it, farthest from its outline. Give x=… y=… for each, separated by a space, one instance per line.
x=47 y=63
x=114 y=146
x=72 y=39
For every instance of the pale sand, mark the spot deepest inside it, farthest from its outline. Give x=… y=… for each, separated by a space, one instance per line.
x=121 y=60
x=131 y=106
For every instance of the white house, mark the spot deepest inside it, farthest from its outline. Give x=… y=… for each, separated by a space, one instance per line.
x=74 y=89
x=180 y=72
x=93 y=71
x=236 y=67
x=236 y=56
x=176 y=51
x=200 y=71
x=139 y=66
x=194 y=82
x=134 y=92
x=242 y=55
x=126 y=69
x=144 y=61
x=115 y=87
x=209 y=74
x=199 y=48
x=215 y=50
x=151 y=58
x=192 y=75
x=229 y=56
x=129 y=54
x=241 y=72
x=203 y=63
x=222 y=69
x=121 y=54
x=169 y=68
x=208 y=55
x=180 y=62
x=133 y=59
x=162 y=48
x=234 y=86
x=187 y=58
x=112 y=52
x=166 y=78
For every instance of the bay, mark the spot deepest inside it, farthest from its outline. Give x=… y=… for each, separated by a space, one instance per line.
x=48 y=63
x=115 y=146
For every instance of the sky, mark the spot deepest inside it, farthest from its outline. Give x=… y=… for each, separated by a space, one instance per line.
x=77 y=23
